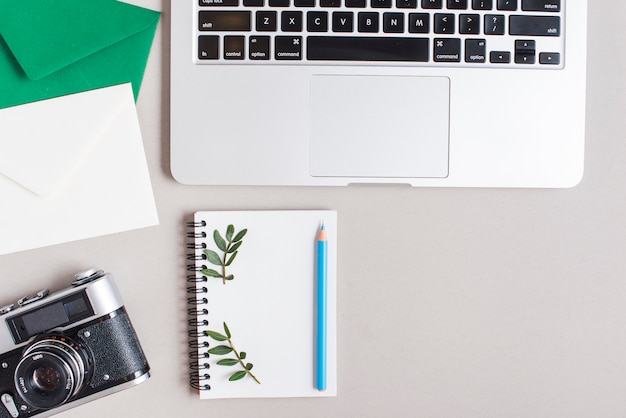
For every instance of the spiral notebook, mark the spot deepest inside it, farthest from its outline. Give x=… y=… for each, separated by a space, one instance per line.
x=253 y=303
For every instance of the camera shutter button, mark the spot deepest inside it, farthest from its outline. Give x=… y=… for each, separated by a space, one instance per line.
x=9 y=404
x=87 y=276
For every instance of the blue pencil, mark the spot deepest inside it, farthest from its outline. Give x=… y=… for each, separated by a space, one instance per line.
x=322 y=283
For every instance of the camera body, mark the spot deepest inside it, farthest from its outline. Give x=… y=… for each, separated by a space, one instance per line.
x=60 y=350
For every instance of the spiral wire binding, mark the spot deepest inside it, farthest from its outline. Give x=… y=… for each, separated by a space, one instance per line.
x=199 y=365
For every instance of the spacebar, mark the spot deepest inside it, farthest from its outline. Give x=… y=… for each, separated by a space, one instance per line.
x=361 y=48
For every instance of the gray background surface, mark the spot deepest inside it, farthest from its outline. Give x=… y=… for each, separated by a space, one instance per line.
x=452 y=302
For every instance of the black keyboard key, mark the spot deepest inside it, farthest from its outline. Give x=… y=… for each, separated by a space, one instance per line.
x=535 y=25
x=208 y=47
x=525 y=46
x=475 y=50
x=432 y=4
x=224 y=21
x=253 y=3
x=482 y=4
x=291 y=21
x=457 y=4
x=393 y=22
x=500 y=57
x=259 y=47
x=288 y=48
x=213 y=3
x=330 y=3
x=279 y=3
x=304 y=3
x=494 y=24
x=343 y=22
x=368 y=22
x=469 y=24
x=524 y=58
x=406 y=4
x=419 y=22
x=362 y=48
x=266 y=21
x=355 y=3
x=541 y=5
x=447 y=50
x=234 y=47
x=444 y=23
x=381 y=4
x=317 y=21
x=550 y=58
x=525 y=51
x=509 y=5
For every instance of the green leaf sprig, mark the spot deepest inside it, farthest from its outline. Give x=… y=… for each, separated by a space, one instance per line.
x=229 y=247
x=221 y=350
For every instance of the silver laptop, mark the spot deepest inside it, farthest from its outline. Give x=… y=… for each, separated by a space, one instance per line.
x=470 y=93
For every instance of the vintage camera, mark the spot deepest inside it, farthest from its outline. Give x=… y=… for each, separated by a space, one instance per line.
x=61 y=350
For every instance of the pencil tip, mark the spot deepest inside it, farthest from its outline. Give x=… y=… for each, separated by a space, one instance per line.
x=322 y=225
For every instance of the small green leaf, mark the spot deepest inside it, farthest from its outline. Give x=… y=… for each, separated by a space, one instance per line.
x=249 y=366
x=219 y=241
x=231 y=258
x=240 y=235
x=227 y=331
x=242 y=355
x=220 y=350
x=211 y=273
x=229 y=232
x=230 y=277
x=216 y=335
x=237 y=376
x=213 y=257
x=228 y=362
x=235 y=247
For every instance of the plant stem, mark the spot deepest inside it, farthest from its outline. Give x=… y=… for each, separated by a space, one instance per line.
x=241 y=361
x=224 y=262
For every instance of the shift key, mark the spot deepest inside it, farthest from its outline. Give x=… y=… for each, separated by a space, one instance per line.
x=535 y=25
x=212 y=20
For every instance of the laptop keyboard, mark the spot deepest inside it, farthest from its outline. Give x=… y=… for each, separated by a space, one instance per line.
x=495 y=33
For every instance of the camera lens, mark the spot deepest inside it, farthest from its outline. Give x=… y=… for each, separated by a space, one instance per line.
x=46 y=379
x=51 y=371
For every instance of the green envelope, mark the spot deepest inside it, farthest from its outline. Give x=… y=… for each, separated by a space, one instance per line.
x=53 y=48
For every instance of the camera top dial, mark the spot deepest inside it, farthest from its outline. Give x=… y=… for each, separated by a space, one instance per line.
x=87 y=276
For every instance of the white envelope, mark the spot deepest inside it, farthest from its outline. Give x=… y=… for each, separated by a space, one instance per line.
x=71 y=168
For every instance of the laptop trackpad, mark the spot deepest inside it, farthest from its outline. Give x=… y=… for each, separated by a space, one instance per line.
x=379 y=126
